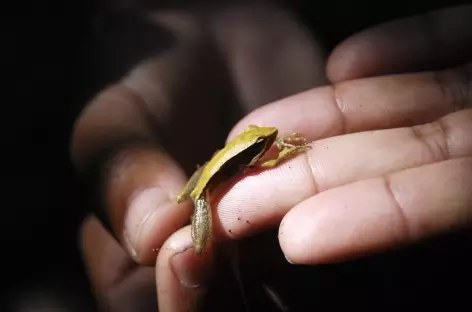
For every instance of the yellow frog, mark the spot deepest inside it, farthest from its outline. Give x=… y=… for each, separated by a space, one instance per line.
x=244 y=151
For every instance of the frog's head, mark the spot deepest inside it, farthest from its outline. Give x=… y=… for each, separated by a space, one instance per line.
x=261 y=139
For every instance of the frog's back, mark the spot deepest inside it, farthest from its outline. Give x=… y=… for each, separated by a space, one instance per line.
x=235 y=147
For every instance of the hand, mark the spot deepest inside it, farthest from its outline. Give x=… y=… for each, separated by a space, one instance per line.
x=362 y=187
x=137 y=138
x=392 y=160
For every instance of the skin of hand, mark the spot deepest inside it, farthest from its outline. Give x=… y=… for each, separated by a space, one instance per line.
x=390 y=165
x=146 y=132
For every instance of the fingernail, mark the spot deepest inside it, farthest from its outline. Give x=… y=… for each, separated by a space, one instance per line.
x=288 y=260
x=190 y=269
x=129 y=246
x=142 y=212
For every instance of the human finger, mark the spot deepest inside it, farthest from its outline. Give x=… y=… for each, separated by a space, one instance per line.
x=366 y=104
x=135 y=178
x=182 y=276
x=435 y=40
x=379 y=213
x=124 y=152
x=119 y=284
x=248 y=34
x=132 y=139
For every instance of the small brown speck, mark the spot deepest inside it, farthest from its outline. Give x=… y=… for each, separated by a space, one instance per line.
x=239 y=218
x=247 y=221
x=230 y=231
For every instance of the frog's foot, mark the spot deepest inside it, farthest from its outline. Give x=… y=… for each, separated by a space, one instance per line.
x=181 y=198
x=292 y=140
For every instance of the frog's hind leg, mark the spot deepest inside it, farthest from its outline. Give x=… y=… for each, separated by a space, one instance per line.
x=283 y=155
x=201 y=230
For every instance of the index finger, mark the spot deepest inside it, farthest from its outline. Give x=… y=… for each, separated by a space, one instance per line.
x=366 y=104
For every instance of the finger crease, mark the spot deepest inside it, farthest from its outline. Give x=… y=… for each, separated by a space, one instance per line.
x=313 y=171
x=463 y=86
x=338 y=103
x=444 y=140
x=437 y=144
x=439 y=81
x=149 y=116
x=455 y=85
x=405 y=224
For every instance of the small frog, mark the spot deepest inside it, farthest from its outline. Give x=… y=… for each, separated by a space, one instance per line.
x=244 y=151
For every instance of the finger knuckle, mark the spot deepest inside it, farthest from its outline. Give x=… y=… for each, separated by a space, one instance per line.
x=456 y=85
x=434 y=137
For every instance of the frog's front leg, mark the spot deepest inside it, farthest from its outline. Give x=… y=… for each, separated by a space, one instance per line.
x=292 y=140
x=201 y=224
x=190 y=185
x=288 y=146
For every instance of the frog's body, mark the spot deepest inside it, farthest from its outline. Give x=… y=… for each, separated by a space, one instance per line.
x=245 y=150
x=255 y=138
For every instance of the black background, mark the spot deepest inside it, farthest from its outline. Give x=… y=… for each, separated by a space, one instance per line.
x=47 y=59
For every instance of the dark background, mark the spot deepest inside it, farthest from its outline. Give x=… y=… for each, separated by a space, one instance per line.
x=51 y=67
